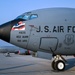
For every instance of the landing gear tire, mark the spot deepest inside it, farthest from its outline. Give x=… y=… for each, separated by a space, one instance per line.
x=53 y=65
x=60 y=65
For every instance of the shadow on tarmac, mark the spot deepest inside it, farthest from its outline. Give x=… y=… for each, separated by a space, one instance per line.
x=70 y=63
x=15 y=67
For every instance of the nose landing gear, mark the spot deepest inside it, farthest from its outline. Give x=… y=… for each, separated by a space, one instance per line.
x=58 y=63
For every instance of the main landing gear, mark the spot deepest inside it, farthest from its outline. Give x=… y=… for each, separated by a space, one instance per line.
x=58 y=63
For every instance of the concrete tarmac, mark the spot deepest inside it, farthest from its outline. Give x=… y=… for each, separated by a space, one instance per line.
x=28 y=65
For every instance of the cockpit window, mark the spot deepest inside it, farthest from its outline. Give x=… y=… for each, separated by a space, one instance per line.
x=27 y=16
x=33 y=16
x=24 y=17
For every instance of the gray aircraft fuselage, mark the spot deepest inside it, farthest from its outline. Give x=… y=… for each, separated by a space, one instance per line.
x=50 y=30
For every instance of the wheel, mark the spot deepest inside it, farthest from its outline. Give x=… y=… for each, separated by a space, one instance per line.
x=53 y=65
x=60 y=65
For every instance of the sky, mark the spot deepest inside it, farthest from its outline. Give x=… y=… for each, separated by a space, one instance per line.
x=10 y=9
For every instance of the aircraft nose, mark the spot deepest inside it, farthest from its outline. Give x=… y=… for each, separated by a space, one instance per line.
x=5 y=29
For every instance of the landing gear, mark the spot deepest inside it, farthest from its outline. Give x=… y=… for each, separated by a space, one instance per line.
x=53 y=65
x=58 y=63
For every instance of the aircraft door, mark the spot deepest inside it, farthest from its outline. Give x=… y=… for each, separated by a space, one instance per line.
x=34 y=39
x=49 y=43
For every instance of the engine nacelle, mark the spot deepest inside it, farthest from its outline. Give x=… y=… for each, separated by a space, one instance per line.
x=27 y=52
